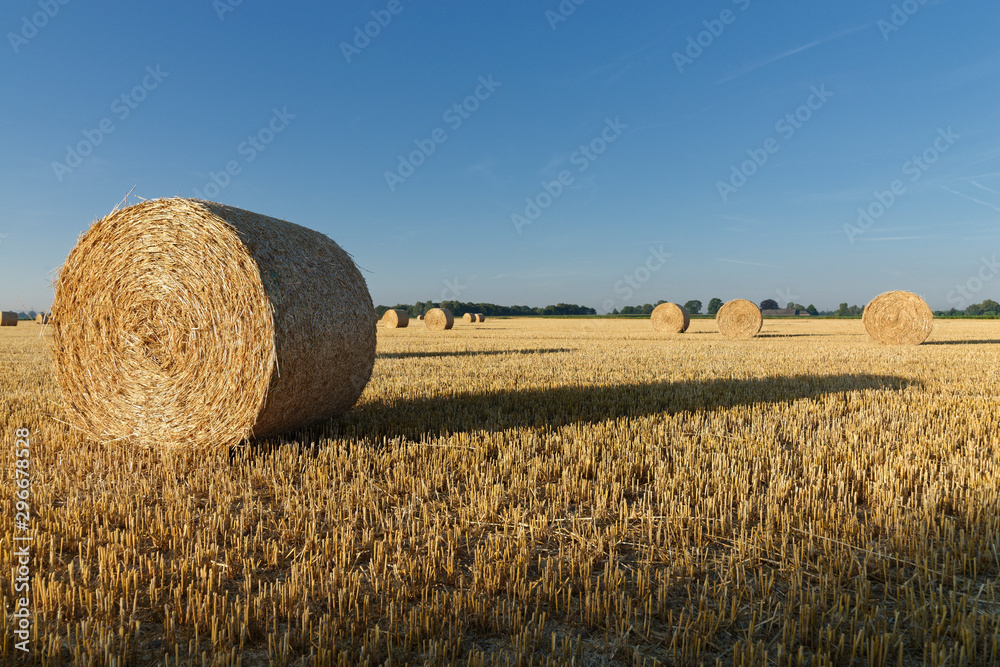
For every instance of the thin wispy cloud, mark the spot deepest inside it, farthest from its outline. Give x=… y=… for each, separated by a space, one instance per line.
x=743 y=71
x=983 y=187
x=901 y=238
x=621 y=64
x=739 y=261
x=973 y=199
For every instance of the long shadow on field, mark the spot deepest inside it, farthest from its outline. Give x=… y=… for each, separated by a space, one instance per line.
x=466 y=353
x=962 y=342
x=558 y=406
x=777 y=335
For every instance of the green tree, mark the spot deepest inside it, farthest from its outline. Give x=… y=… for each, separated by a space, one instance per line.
x=811 y=309
x=988 y=306
x=714 y=304
x=769 y=304
x=693 y=306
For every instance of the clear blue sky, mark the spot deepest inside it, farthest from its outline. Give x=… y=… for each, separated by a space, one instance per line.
x=183 y=85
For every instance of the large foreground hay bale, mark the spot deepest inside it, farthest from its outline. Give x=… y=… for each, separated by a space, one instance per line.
x=739 y=319
x=670 y=318
x=395 y=319
x=898 y=318
x=439 y=319
x=480 y=317
x=8 y=319
x=468 y=317
x=180 y=323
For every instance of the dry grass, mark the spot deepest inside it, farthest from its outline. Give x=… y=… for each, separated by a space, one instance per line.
x=539 y=490
x=247 y=325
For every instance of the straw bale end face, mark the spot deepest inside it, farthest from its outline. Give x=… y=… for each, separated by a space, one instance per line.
x=395 y=319
x=739 y=319
x=188 y=324
x=898 y=318
x=670 y=318
x=480 y=317
x=468 y=317
x=439 y=319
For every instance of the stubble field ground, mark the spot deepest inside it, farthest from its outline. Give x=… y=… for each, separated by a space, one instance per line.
x=541 y=491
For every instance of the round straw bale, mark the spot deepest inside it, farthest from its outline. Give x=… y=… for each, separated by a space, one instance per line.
x=8 y=319
x=480 y=317
x=898 y=318
x=739 y=318
x=396 y=319
x=42 y=318
x=420 y=317
x=439 y=319
x=185 y=324
x=468 y=317
x=670 y=318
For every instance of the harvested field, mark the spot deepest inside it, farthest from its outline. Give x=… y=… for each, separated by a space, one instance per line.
x=538 y=490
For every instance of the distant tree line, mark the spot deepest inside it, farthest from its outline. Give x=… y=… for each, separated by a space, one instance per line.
x=988 y=308
x=459 y=308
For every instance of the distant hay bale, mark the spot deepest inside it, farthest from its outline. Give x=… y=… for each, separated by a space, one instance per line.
x=468 y=317
x=670 y=318
x=420 y=317
x=480 y=317
x=42 y=318
x=395 y=319
x=898 y=318
x=739 y=319
x=8 y=319
x=185 y=324
x=439 y=319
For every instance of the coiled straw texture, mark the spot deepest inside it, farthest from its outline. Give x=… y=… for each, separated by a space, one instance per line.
x=180 y=323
